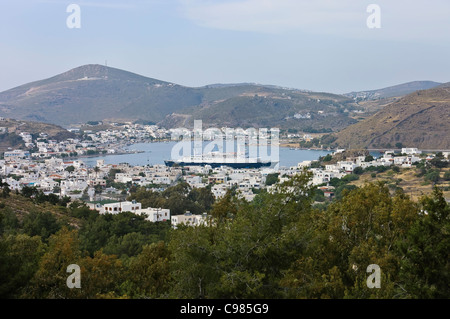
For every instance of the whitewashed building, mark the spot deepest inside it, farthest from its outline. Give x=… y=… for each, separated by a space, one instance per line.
x=155 y=214
x=411 y=151
x=188 y=219
x=115 y=208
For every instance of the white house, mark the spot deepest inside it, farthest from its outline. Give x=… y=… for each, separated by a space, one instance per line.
x=405 y=161
x=155 y=214
x=188 y=219
x=411 y=151
x=12 y=184
x=115 y=208
x=15 y=155
x=123 y=178
x=347 y=166
x=219 y=190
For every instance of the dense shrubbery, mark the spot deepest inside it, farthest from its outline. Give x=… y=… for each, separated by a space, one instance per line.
x=272 y=179
x=378 y=169
x=447 y=176
x=277 y=246
x=179 y=198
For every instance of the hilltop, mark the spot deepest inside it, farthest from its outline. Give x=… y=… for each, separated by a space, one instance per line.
x=420 y=119
x=271 y=107
x=95 y=92
x=393 y=91
x=99 y=93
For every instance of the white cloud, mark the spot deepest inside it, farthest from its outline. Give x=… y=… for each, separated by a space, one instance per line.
x=269 y=15
x=106 y=5
x=400 y=18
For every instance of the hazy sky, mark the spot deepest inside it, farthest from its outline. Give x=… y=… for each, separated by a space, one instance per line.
x=321 y=45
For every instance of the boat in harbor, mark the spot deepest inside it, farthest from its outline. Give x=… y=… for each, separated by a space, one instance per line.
x=217 y=159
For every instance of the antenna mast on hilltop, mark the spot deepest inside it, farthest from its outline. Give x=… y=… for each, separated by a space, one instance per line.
x=106 y=69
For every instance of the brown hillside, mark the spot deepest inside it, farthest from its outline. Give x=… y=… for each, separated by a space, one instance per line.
x=421 y=119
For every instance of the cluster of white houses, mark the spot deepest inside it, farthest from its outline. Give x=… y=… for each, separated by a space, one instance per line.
x=151 y=214
x=108 y=141
x=73 y=178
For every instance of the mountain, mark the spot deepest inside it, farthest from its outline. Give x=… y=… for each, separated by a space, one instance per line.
x=95 y=92
x=420 y=119
x=271 y=107
x=99 y=93
x=393 y=91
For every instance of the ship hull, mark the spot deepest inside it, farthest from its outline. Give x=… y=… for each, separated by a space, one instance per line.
x=218 y=164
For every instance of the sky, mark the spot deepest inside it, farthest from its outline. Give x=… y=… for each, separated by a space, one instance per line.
x=318 y=45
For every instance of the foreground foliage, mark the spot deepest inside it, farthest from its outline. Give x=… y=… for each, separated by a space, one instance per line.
x=277 y=246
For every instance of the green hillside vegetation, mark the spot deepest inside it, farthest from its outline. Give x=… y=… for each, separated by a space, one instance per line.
x=277 y=246
x=179 y=198
x=270 y=108
x=416 y=181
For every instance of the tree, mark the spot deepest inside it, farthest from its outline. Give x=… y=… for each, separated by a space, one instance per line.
x=19 y=260
x=193 y=266
x=70 y=168
x=28 y=191
x=102 y=276
x=425 y=268
x=179 y=198
x=56 y=189
x=79 y=209
x=349 y=178
x=121 y=234
x=95 y=233
x=243 y=254
x=202 y=198
x=447 y=176
x=272 y=178
x=368 y=158
x=43 y=224
x=319 y=196
x=127 y=245
x=9 y=223
x=225 y=208
x=335 y=182
x=5 y=188
x=360 y=229
x=96 y=170
x=50 y=280
x=438 y=162
x=98 y=189
x=149 y=273
x=342 y=190
x=432 y=175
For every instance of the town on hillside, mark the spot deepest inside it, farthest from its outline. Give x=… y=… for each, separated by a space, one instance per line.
x=57 y=168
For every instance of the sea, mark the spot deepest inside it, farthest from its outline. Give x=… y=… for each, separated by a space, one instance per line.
x=155 y=153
